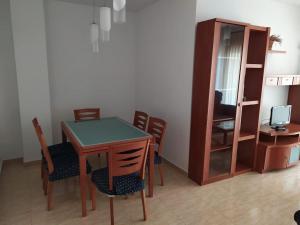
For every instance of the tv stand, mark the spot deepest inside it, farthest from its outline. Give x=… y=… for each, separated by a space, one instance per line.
x=278 y=149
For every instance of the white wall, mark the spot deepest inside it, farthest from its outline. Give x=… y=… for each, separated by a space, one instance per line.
x=28 y=25
x=165 y=70
x=283 y=20
x=10 y=128
x=81 y=78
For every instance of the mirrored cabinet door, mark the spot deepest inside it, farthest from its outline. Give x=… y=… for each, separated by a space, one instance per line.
x=226 y=97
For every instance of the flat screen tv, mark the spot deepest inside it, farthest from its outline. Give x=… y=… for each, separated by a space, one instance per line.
x=280 y=117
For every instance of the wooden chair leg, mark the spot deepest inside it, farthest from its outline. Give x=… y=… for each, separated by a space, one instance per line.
x=160 y=169
x=45 y=181
x=93 y=194
x=50 y=193
x=42 y=170
x=112 y=219
x=144 y=204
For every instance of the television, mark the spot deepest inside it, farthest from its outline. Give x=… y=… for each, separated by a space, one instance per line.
x=280 y=116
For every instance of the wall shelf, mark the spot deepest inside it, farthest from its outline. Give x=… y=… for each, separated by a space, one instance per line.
x=277 y=51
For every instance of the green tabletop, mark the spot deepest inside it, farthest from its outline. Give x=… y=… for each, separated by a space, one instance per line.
x=103 y=131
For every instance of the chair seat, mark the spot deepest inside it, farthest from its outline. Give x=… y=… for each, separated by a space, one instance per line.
x=67 y=166
x=122 y=185
x=60 y=150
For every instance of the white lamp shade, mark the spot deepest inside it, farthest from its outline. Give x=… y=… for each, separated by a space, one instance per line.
x=94 y=32
x=105 y=18
x=119 y=4
x=120 y=16
x=94 y=35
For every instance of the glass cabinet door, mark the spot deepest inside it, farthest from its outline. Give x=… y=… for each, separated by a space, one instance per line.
x=226 y=98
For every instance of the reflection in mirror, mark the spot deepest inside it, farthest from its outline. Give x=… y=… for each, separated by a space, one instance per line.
x=225 y=102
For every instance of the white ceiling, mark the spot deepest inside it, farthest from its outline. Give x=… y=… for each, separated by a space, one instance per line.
x=132 y=5
x=292 y=2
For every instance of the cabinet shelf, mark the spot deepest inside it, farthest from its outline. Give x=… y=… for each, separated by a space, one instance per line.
x=221 y=118
x=247 y=103
x=241 y=168
x=223 y=133
x=254 y=66
x=220 y=148
x=244 y=136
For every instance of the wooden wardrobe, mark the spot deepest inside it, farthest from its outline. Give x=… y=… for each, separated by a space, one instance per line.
x=227 y=91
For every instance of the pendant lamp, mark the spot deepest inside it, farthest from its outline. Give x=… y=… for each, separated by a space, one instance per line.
x=105 y=23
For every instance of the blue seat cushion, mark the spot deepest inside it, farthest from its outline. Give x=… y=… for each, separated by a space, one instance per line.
x=122 y=185
x=61 y=149
x=65 y=167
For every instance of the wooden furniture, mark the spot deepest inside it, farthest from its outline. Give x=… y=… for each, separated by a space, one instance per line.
x=293 y=99
x=157 y=127
x=140 y=120
x=278 y=149
x=58 y=164
x=87 y=114
x=282 y=80
x=96 y=136
x=227 y=86
x=125 y=173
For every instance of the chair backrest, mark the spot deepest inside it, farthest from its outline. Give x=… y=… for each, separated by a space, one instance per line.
x=157 y=127
x=87 y=114
x=43 y=143
x=128 y=158
x=140 y=120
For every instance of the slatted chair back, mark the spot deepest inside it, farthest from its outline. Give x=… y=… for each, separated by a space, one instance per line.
x=87 y=114
x=43 y=143
x=157 y=127
x=140 y=120
x=126 y=159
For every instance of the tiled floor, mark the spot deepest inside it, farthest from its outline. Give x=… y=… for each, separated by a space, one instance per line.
x=269 y=199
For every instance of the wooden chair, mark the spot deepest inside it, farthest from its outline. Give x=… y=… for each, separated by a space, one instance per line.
x=140 y=120
x=87 y=114
x=157 y=127
x=56 y=166
x=58 y=150
x=125 y=173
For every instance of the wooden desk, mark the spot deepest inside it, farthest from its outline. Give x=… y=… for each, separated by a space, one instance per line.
x=97 y=136
x=278 y=149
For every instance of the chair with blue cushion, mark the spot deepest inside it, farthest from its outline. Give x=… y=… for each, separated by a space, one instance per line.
x=57 y=166
x=125 y=173
x=157 y=127
x=86 y=114
x=140 y=120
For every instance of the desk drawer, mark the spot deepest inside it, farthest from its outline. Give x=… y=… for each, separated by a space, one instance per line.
x=286 y=80
x=272 y=81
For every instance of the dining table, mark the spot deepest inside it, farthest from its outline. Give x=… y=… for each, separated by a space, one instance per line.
x=93 y=137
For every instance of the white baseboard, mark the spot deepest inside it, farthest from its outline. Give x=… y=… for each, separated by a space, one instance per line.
x=1 y=162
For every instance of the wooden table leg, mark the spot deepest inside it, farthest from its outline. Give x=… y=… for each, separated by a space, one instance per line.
x=63 y=136
x=151 y=171
x=83 y=179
